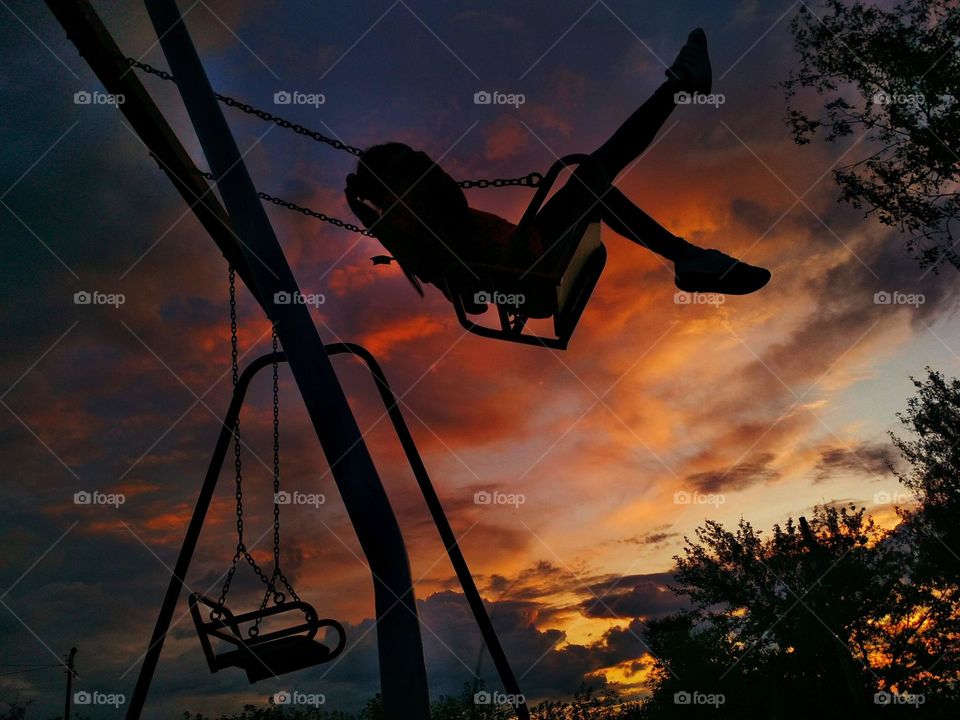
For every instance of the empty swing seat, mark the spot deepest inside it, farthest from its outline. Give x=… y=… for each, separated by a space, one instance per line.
x=556 y=286
x=264 y=655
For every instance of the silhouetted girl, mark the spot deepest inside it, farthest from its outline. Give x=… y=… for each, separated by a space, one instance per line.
x=421 y=215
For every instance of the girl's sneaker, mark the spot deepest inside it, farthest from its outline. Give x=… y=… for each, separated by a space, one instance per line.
x=715 y=272
x=691 y=71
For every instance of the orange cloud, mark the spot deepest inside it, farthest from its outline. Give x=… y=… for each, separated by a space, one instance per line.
x=384 y=340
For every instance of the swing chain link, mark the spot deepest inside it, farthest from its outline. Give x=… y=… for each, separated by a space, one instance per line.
x=150 y=69
x=530 y=180
x=289 y=205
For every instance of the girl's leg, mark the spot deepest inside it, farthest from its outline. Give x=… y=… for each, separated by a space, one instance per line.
x=690 y=72
x=635 y=135
x=696 y=269
x=589 y=190
x=588 y=194
x=625 y=218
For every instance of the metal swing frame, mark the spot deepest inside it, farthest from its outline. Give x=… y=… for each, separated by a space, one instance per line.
x=243 y=233
x=412 y=454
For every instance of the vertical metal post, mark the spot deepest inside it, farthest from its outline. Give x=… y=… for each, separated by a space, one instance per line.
x=403 y=681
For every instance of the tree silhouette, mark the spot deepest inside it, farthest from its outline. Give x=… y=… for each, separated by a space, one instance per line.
x=781 y=624
x=835 y=616
x=933 y=452
x=890 y=80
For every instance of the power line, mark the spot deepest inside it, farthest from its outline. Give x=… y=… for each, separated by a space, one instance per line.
x=33 y=669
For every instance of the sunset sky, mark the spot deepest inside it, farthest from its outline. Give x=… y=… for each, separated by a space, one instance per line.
x=769 y=403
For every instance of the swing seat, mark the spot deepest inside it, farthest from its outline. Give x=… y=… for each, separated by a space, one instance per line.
x=268 y=655
x=557 y=286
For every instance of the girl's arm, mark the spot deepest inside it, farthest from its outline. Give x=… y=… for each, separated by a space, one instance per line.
x=365 y=213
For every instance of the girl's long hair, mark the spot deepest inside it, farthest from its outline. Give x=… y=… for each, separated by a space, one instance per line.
x=394 y=175
x=407 y=173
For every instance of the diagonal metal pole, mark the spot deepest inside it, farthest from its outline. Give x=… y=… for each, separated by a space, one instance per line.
x=459 y=562
x=93 y=41
x=403 y=682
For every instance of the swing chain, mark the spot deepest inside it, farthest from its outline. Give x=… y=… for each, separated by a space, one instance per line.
x=276 y=458
x=150 y=69
x=237 y=460
x=271 y=591
x=278 y=596
x=251 y=110
x=299 y=208
x=530 y=180
x=286 y=124
x=241 y=549
x=289 y=205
